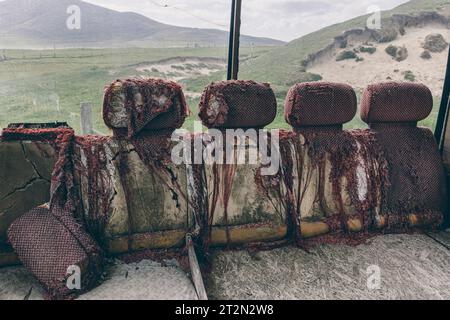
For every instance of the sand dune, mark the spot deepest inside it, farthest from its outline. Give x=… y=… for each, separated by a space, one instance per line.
x=380 y=66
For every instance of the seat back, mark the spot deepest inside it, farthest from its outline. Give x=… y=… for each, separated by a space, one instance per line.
x=243 y=206
x=27 y=157
x=133 y=196
x=330 y=181
x=417 y=193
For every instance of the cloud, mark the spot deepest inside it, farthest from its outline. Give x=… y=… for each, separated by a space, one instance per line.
x=280 y=19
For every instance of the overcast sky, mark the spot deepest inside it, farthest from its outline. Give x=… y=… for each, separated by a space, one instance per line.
x=279 y=19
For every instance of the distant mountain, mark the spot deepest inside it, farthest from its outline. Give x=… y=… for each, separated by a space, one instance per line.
x=43 y=23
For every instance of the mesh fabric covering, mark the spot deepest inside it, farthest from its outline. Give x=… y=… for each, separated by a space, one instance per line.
x=396 y=102
x=133 y=105
x=417 y=179
x=48 y=243
x=44 y=135
x=237 y=104
x=320 y=104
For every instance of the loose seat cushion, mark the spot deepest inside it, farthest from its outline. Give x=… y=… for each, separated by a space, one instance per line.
x=320 y=104
x=48 y=243
x=238 y=104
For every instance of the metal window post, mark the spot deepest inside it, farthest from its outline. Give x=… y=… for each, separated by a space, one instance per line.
x=444 y=108
x=233 y=49
x=230 y=41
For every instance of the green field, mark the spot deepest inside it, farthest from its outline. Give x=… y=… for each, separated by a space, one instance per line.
x=34 y=83
x=37 y=86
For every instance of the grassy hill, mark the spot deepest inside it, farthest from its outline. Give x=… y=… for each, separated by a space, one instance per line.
x=285 y=65
x=47 y=85
x=41 y=24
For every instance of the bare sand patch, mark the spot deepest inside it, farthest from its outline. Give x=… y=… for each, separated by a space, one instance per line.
x=180 y=68
x=380 y=66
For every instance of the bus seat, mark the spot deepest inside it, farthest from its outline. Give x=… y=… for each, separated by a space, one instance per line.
x=132 y=196
x=331 y=178
x=417 y=192
x=244 y=205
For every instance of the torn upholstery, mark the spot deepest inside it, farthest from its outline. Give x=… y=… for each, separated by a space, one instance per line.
x=133 y=105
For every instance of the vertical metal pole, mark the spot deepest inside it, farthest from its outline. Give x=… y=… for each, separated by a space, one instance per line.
x=444 y=128
x=443 y=111
x=236 y=39
x=231 y=41
x=196 y=273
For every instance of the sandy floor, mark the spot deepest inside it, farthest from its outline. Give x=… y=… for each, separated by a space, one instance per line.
x=380 y=66
x=146 y=280
x=411 y=266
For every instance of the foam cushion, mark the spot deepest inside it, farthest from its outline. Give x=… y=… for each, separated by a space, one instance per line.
x=48 y=243
x=238 y=104
x=320 y=104
x=144 y=104
x=396 y=102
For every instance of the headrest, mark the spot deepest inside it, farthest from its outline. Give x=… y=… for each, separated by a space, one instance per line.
x=144 y=104
x=320 y=104
x=396 y=102
x=238 y=104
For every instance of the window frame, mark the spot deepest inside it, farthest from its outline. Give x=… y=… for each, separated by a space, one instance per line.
x=234 y=43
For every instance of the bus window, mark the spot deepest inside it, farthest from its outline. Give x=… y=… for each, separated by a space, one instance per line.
x=357 y=44
x=57 y=55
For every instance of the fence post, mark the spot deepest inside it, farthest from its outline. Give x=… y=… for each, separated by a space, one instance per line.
x=86 y=118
